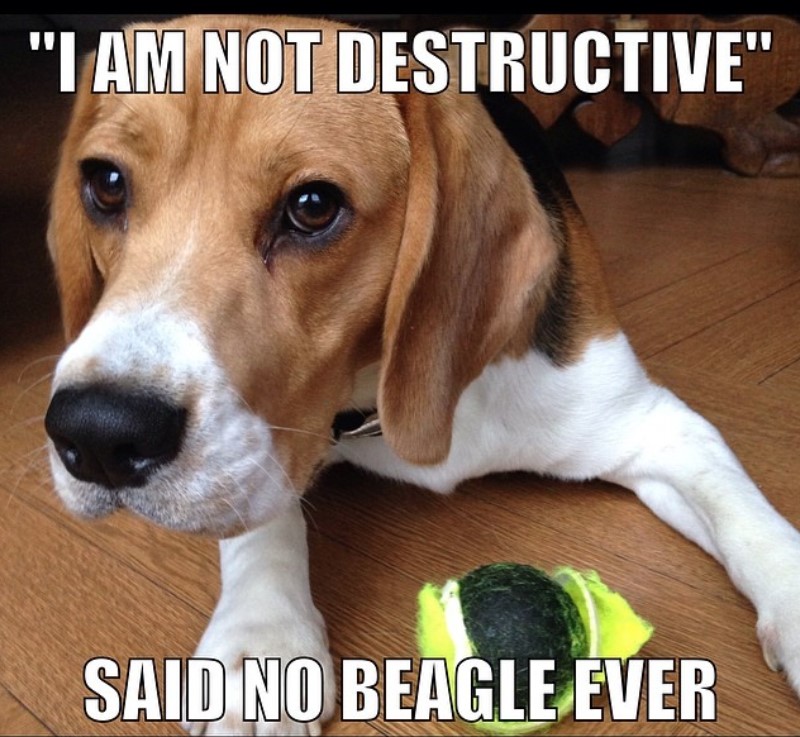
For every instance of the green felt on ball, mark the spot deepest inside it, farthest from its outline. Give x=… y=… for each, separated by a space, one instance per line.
x=512 y=611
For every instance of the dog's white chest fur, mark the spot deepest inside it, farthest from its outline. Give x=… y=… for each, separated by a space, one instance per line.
x=527 y=413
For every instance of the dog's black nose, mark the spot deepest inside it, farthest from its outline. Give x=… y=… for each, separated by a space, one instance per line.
x=113 y=437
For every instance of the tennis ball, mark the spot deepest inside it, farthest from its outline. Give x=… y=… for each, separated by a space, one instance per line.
x=512 y=611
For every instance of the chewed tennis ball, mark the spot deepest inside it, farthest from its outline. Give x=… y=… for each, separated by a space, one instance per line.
x=512 y=611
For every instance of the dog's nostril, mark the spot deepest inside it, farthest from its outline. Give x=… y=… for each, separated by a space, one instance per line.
x=70 y=454
x=113 y=437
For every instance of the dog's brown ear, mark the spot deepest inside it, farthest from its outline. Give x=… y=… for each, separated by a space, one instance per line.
x=476 y=250
x=79 y=283
x=68 y=240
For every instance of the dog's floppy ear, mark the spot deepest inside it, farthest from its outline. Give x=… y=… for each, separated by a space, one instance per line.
x=476 y=253
x=79 y=281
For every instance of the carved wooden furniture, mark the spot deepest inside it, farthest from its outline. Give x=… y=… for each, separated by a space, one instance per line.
x=759 y=128
x=761 y=137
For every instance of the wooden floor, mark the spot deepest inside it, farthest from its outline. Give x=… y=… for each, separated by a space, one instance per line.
x=705 y=270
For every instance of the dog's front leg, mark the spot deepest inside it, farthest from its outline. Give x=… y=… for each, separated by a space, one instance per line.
x=681 y=467
x=265 y=611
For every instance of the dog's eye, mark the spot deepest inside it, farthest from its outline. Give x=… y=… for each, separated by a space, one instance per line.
x=312 y=208
x=105 y=189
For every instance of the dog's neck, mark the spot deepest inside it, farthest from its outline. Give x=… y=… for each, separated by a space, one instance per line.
x=360 y=419
x=355 y=423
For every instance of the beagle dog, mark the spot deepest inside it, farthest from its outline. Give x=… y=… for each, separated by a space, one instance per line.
x=238 y=270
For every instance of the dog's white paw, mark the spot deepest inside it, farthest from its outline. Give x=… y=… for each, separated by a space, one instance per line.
x=779 y=632
x=779 y=617
x=231 y=641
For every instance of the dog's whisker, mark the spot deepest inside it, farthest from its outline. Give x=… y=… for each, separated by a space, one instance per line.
x=269 y=473
x=306 y=502
x=309 y=511
x=300 y=431
x=34 y=461
x=233 y=507
x=44 y=377
x=27 y=422
x=39 y=449
x=27 y=390
x=36 y=362
x=36 y=420
x=311 y=433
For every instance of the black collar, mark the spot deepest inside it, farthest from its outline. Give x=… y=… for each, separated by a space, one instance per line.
x=355 y=423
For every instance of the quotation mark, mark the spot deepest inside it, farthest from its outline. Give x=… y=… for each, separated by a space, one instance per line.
x=49 y=40
x=66 y=42
x=752 y=38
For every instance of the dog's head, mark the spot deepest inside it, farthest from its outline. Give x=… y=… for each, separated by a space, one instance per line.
x=229 y=263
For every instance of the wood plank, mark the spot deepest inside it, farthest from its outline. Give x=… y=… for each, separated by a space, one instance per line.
x=655 y=226
x=684 y=308
x=787 y=381
x=749 y=346
x=15 y=719
x=66 y=602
